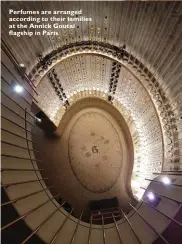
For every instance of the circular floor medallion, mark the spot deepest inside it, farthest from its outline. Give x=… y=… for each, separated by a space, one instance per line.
x=95 y=152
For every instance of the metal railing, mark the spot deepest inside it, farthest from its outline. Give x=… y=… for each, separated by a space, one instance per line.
x=27 y=132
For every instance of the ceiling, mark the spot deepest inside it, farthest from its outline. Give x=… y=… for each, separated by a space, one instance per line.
x=151 y=31
x=93 y=158
x=148 y=77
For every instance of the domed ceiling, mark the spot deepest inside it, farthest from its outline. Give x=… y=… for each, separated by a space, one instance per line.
x=92 y=75
x=129 y=56
x=93 y=158
x=99 y=155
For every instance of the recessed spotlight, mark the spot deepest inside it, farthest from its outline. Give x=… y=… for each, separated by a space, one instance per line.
x=39 y=120
x=151 y=196
x=18 y=88
x=166 y=180
x=21 y=65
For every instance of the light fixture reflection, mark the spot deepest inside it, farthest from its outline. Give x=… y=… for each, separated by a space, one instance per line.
x=39 y=120
x=151 y=196
x=18 y=88
x=166 y=180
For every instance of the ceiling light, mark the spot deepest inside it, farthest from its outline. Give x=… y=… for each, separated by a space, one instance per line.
x=21 y=65
x=18 y=88
x=151 y=196
x=166 y=180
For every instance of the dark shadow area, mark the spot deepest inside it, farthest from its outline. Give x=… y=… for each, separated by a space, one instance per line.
x=173 y=233
x=105 y=211
x=43 y=122
x=17 y=232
